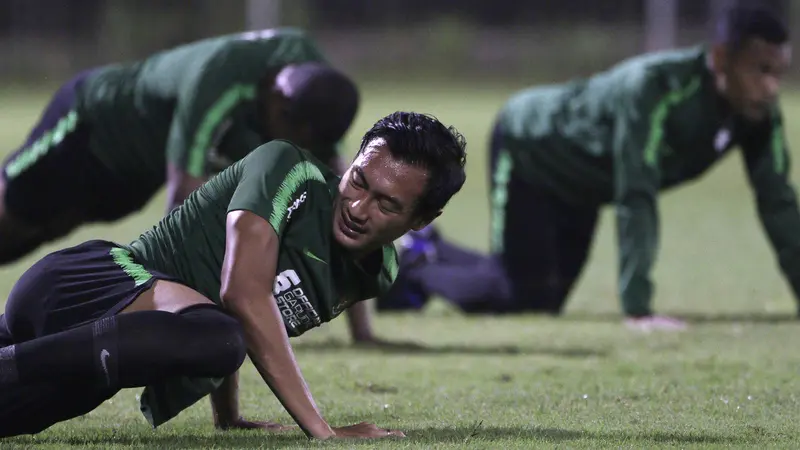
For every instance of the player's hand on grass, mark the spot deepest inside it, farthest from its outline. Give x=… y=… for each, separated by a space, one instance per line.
x=655 y=323
x=243 y=424
x=365 y=430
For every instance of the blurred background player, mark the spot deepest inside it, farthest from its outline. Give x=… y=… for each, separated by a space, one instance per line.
x=560 y=152
x=112 y=136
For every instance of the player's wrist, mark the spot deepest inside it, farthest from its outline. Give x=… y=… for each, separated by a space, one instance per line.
x=320 y=430
x=226 y=419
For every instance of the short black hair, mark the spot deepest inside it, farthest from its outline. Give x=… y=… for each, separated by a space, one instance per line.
x=422 y=140
x=750 y=19
x=321 y=97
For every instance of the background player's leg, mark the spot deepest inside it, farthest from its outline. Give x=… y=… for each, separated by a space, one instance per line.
x=19 y=238
x=473 y=282
x=545 y=244
x=38 y=180
x=575 y=234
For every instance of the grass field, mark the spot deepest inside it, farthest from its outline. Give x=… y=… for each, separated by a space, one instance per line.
x=580 y=381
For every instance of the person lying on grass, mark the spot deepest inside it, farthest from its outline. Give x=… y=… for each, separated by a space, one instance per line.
x=268 y=249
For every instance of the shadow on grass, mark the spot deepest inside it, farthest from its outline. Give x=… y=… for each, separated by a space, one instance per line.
x=699 y=318
x=420 y=349
x=427 y=436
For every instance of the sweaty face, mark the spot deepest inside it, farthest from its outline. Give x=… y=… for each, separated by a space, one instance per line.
x=751 y=77
x=377 y=199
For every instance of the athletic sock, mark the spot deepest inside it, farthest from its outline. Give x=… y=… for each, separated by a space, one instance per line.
x=130 y=350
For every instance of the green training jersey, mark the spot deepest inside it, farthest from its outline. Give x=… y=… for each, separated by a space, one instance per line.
x=194 y=106
x=316 y=279
x=649 y=123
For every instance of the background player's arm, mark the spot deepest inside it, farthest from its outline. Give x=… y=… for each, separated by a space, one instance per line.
x=359 y=321
x=179 y=185
x=766 y=159
x=211 y=93
x=247 y=279
x=636 y=184
x=208 y=97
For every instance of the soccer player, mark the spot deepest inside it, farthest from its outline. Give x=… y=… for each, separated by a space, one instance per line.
x=619 y=137
x=112 y=136
x=271 y=247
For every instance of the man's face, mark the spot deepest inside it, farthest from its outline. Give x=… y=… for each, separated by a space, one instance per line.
x=377 y=200
x=750 y=78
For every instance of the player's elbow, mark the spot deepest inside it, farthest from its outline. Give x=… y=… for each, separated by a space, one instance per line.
x=234 y=297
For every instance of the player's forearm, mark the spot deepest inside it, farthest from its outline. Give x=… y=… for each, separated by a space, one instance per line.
x=637 y=227
x=781 y=220
x=359 y=322
x=271 y=353
x=177 y=194
x=179 y=186
x=225 y=402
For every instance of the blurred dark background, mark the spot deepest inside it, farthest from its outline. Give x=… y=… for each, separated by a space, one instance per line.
x=46 y=40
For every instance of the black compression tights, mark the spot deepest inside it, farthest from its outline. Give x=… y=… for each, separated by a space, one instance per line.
x=67 y=374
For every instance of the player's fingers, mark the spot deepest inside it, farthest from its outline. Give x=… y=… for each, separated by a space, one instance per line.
x=396 y=433
x=272 y=426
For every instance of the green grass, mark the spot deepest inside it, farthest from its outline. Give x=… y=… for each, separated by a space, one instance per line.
x=581 y=381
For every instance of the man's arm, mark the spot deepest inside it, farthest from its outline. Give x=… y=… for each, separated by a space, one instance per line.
x=248 y=275
x=358 y=318
x=225 y=408
x=225 y=402
x=766 y=158
x=179 y=185
x=637 y=140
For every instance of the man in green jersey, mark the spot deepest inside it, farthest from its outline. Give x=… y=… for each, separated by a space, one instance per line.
x=112 y=136
x=269 y=248
x=650 y=123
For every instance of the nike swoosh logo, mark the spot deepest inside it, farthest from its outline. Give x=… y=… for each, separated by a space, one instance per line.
x=308 y=253
x=103 y=356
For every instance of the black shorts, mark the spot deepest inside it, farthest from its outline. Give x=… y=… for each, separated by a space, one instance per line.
x=542 y=241
x=54 y=173
x=73 y=287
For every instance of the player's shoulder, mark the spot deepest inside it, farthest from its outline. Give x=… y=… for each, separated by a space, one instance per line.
x=668 y=69
x=284 y=158
x=267 y=39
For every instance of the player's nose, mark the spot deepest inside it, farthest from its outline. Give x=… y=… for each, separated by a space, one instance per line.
x=358 y=210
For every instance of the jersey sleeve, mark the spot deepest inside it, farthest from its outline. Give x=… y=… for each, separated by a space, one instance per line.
x=274 y=183
x=212 y=92
x=767 y=163
x=637 y=139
